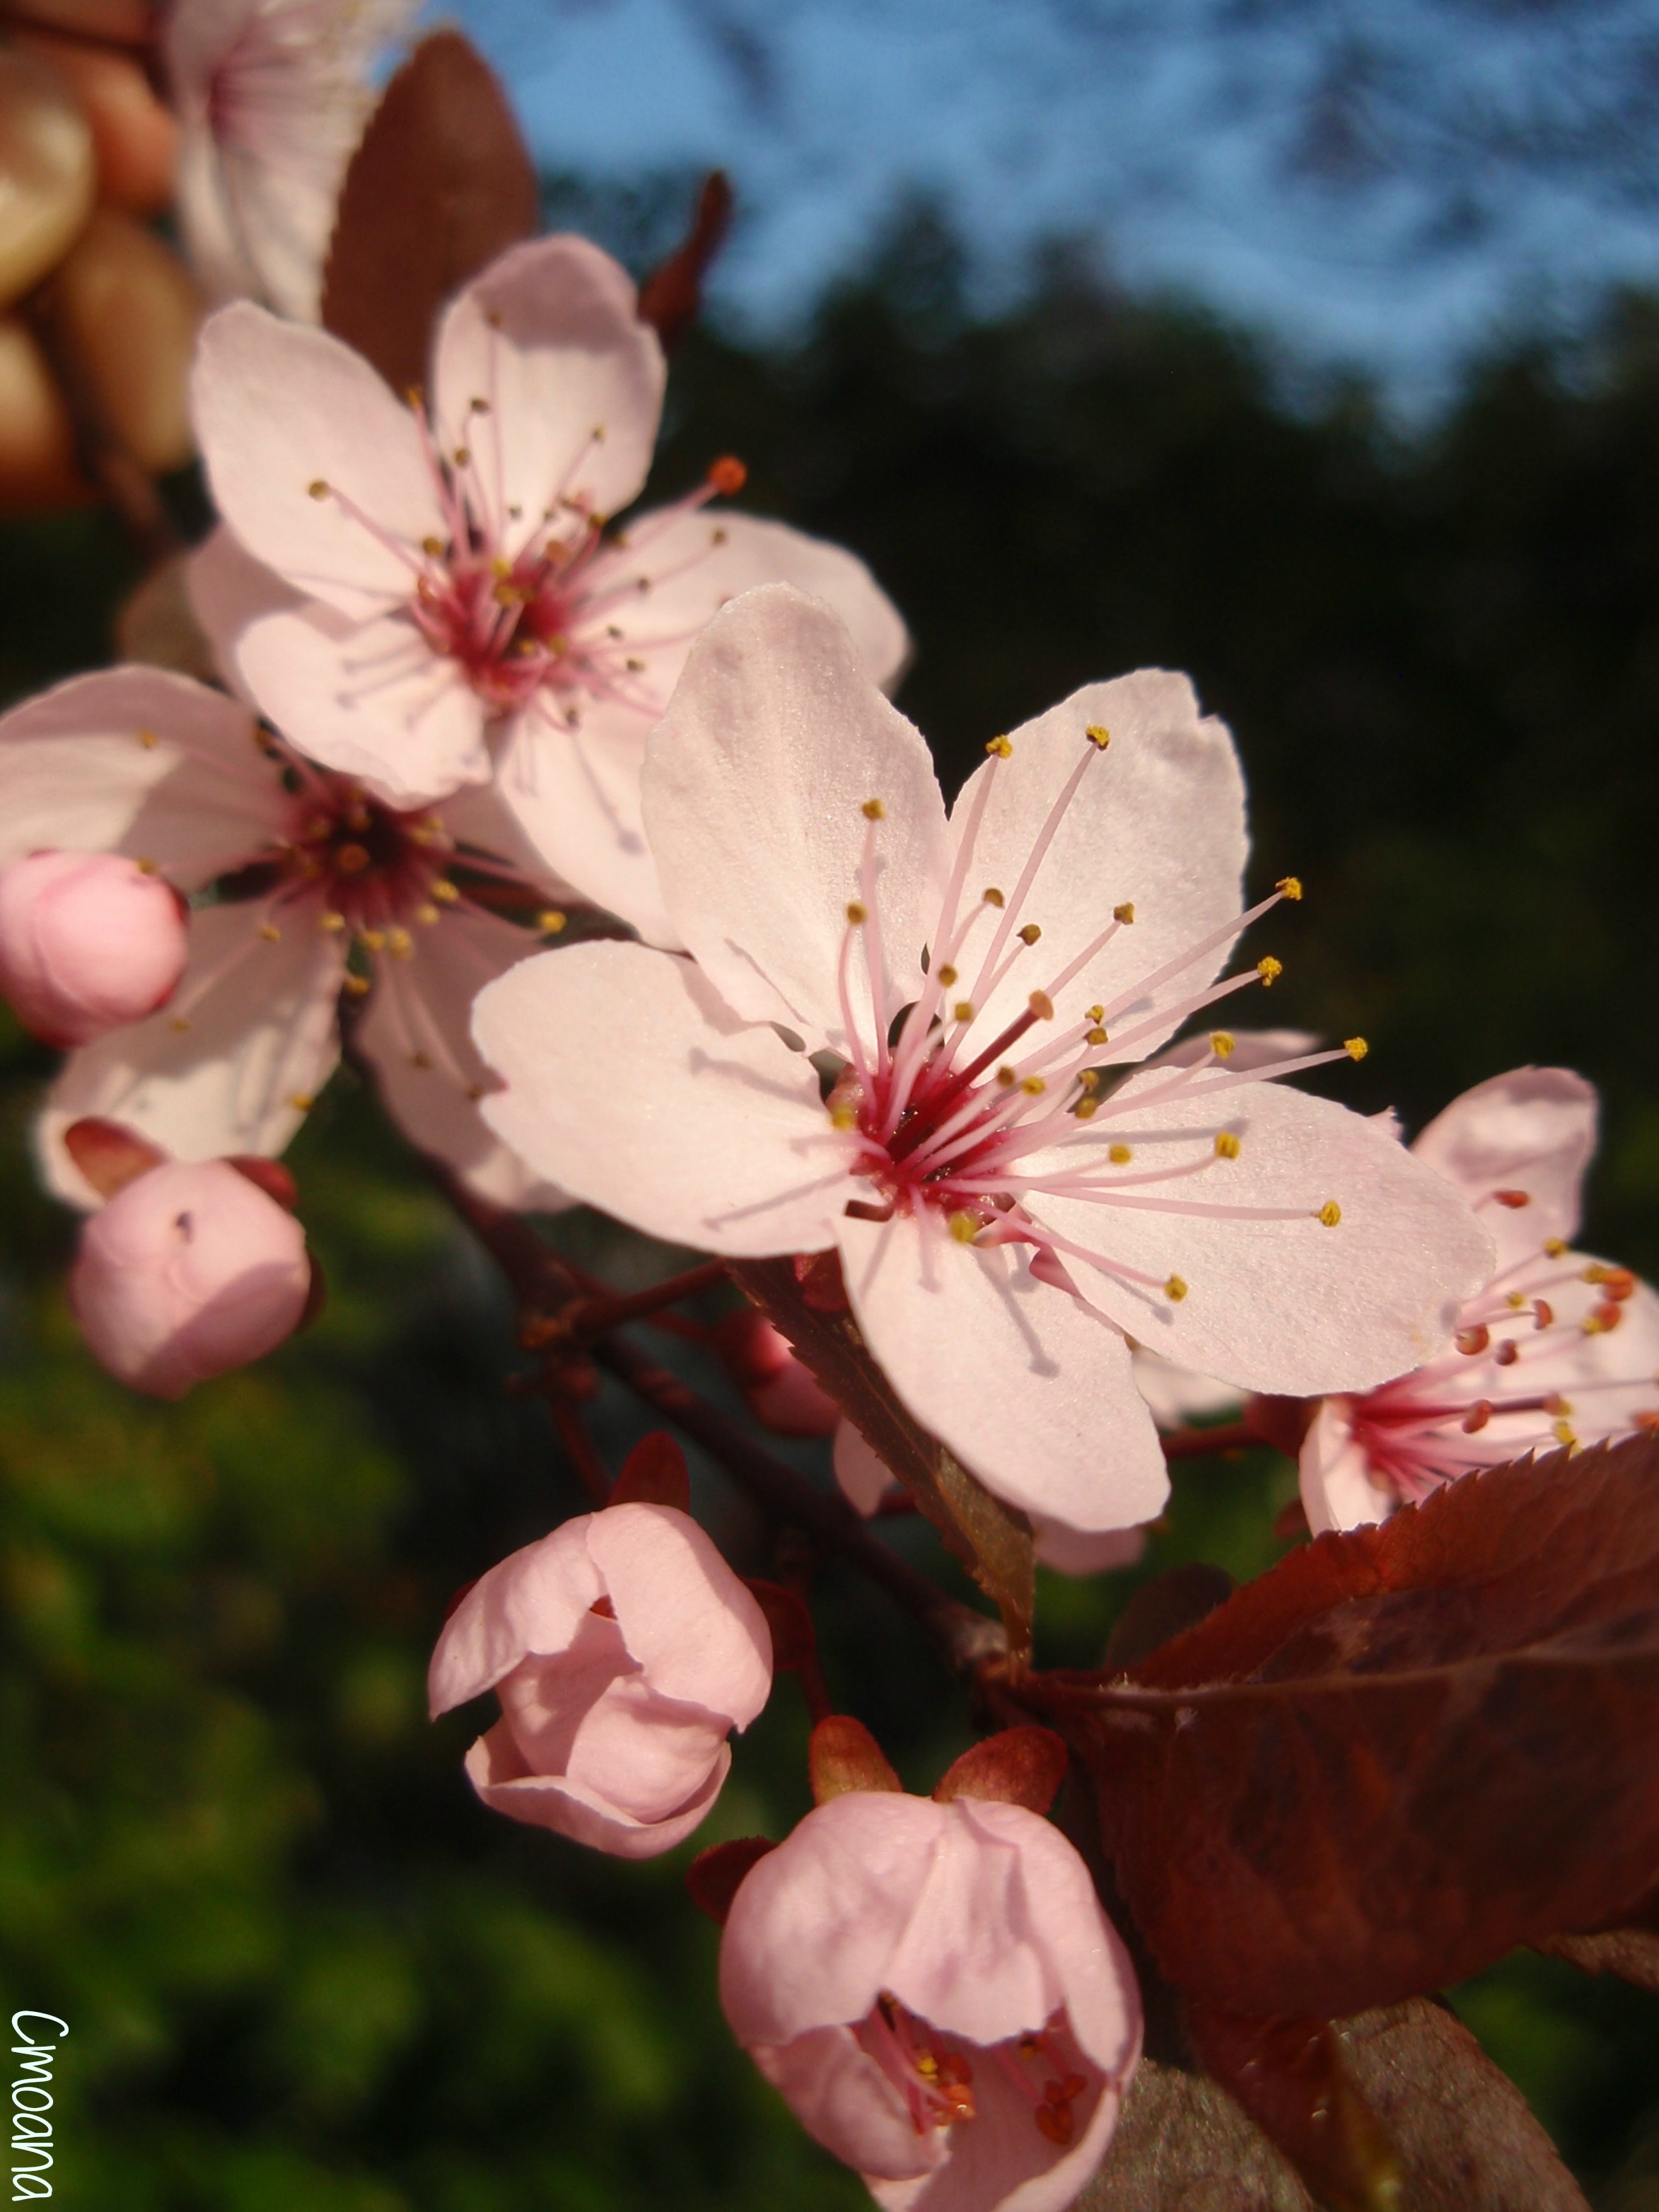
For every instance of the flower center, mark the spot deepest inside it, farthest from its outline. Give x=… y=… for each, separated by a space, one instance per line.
x=935 y=2072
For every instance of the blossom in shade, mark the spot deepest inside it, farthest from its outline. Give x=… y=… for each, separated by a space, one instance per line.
x=317 y=887
x=624 y=1650
x=188 y=1270
x=272 y=97
x=937 y=1993
x=449 y=595
x=88 y=941
x=1010 y=1201
x=781 y=1391
x=1556 y=1349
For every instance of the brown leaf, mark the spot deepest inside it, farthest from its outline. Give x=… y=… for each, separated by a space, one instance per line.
x=1182 y=2145
x=993 y=1541
x=440 y=185
x=1017 y=1766
x=1290 y=2076
x=671 y=295
x=1401 y=1753
x=1631 y=1950
x=1166 y=1608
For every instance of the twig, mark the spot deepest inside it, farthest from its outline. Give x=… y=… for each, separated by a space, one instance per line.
x=1199 y=1443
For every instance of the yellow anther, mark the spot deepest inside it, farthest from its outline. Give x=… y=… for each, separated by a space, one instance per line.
x=419 y=1059
x=1289 y=887
x=1330 y=1213
x=1033 y=1086
x=1095 y=1013
x=1226 y=1145
x=398 y=943
x=1097 y=735
x=148 y=740
x=1000 y=746
x=180 y=1022
x=551 y=922
x=1596 y=1272
x=427 y=914
x=964 y=1227
x=1094 y=1035
x=1554 y=1249
x=318 y=488
x=1029 y=935
x=301 y=1101
x=1175 y=1289
x=462 y=457
x=1089 y=1079
x=1086 y=1108
x=1356 y=1048
x=1562 y=1431
x=962 y=1011
x=1041 y=1005
x=1119 y=1155
x=634 y=665
x=433 y=548
x=1007 y=1077
x=270 y=933
x=991 y=896
x=947 y=975
x=1125 y=913
x=145 y=868
x=372 y=940
x=1516 y=1299
x=480 y=406
x=1222 y=1042
x=857 y=912
x=331 y=922
x=1270 y=970
x=356 y=987
x=843 y=1115
x=444 y=892
x=874 y=811
x=501 y=569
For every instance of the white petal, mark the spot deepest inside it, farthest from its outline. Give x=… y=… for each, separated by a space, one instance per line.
x=261 y=1041
x=1287 y=1305
x=228 y=590
x=368 y=698
x=417 y=1031
x=1156 y=823
x=630 y=1085
x=575 y=793
x=1337 y=1488
x=77 y=775
x=550 y=340
x=1027 y=1386
x=1531 y=1130
x=1176 y=1395
x=755 y=786
x=279 y=409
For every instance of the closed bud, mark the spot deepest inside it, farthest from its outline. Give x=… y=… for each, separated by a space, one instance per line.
x=188 y=1271
x=89 y=942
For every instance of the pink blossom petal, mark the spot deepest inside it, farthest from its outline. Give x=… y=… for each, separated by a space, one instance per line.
x=259 y=1041
x=1338 y=1490
x=367 y=698
x=139 y=761
x=965 y=1961
x=632 y=1086
x=1288 y=1306
x=697 y=1633
x=1531 y=1130
x=229 y=592
x=1175 y=1395
x=1005 y=2164
x=642 y=1752
x=1023 y=1384
x=575 y=794
x=861 y=1477
x=418 y=1030
x=89 y=942
x=534 y=1602
x=546 y=1699
x=846 y=2103
x=495 y=1771
x=1079 y=1552
x=1156 y=823
x=548 y=340
x=279 y=409
x=755 y=786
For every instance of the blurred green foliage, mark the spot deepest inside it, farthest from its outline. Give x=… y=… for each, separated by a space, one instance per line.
x=300 y=1964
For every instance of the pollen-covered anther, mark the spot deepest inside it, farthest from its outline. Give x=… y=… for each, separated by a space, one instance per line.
x=331 y=922
x=1471 y=1342
x=427 y=914
x=1088 y=1081
x=1330 y=1213
x=1098 y=736
x=1175 y=1289
x=1226 y=1145
x=317 y=488
x=843 y=1114
x=1029 y=933
x=444 y=892
x=1515 y=1300
x=1125 y=912
x=434 y=548
x=1269 y=970
x=857 y=913
x=964 y=1227
x=148 y=740
x=991 y=896
x=551 y=920
x=1007 y=1077
x=1543 y=1314
x=1556 y=1404
x=1033 y=1086
x=1507 y=1353
x=947 y=975
x=1554 y=1249
x=1041 y=1005
x=1289 y=887
x=1356 y=1048
x=270 y=933
x=1086 y=1108
x=372 y=940
x=1119 y=1155
x=1515 y=1200
x=1096 y=1035
x=1222 y=1042
x=962 y=1011
x=1606 y=1316
x=1477 y=1417
x=874 y=811
x=398 y=942
x=1001 y=747
x=726 y=476
x=1562 y=1431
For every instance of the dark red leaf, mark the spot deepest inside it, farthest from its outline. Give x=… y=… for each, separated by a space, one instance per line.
x=842 y=1755
x=1402 y=1752
x=794 y=1639
x=1631 y=1950
x=671 y=295
x=108 y=1155
x=715 y=1875
x=1018 y=1766
x=655 y=1473
x=1165 y=1607
x=1182 y=2145
x=1290 y=2076
x=440 y=185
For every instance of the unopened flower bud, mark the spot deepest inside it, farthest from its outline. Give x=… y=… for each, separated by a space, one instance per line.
x=188 y=1271
x=89 y=942
x=782 y=1392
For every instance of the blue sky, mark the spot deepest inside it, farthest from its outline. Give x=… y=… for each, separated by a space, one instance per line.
x=1154 y=142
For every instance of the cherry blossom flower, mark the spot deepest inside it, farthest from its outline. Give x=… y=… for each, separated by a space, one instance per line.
x=188 y=1270
x=88 y=943
x=318 y=887
x=937 y=1993
x=272 y=97
x=1556 y=1349
x=1007 y=1212
x=454 y=598
x=624 y=1650
x=781 y=1391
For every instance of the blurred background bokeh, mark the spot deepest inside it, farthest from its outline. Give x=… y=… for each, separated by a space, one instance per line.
x=1301 y=346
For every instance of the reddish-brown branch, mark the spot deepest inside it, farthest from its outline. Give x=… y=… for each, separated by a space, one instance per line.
x=1201 y=1444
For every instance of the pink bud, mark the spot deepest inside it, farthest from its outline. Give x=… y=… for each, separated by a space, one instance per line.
x=936 y=1992
x=624 y=1650
x=782 y=1392
x=188 y=1270
x=88 y=941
